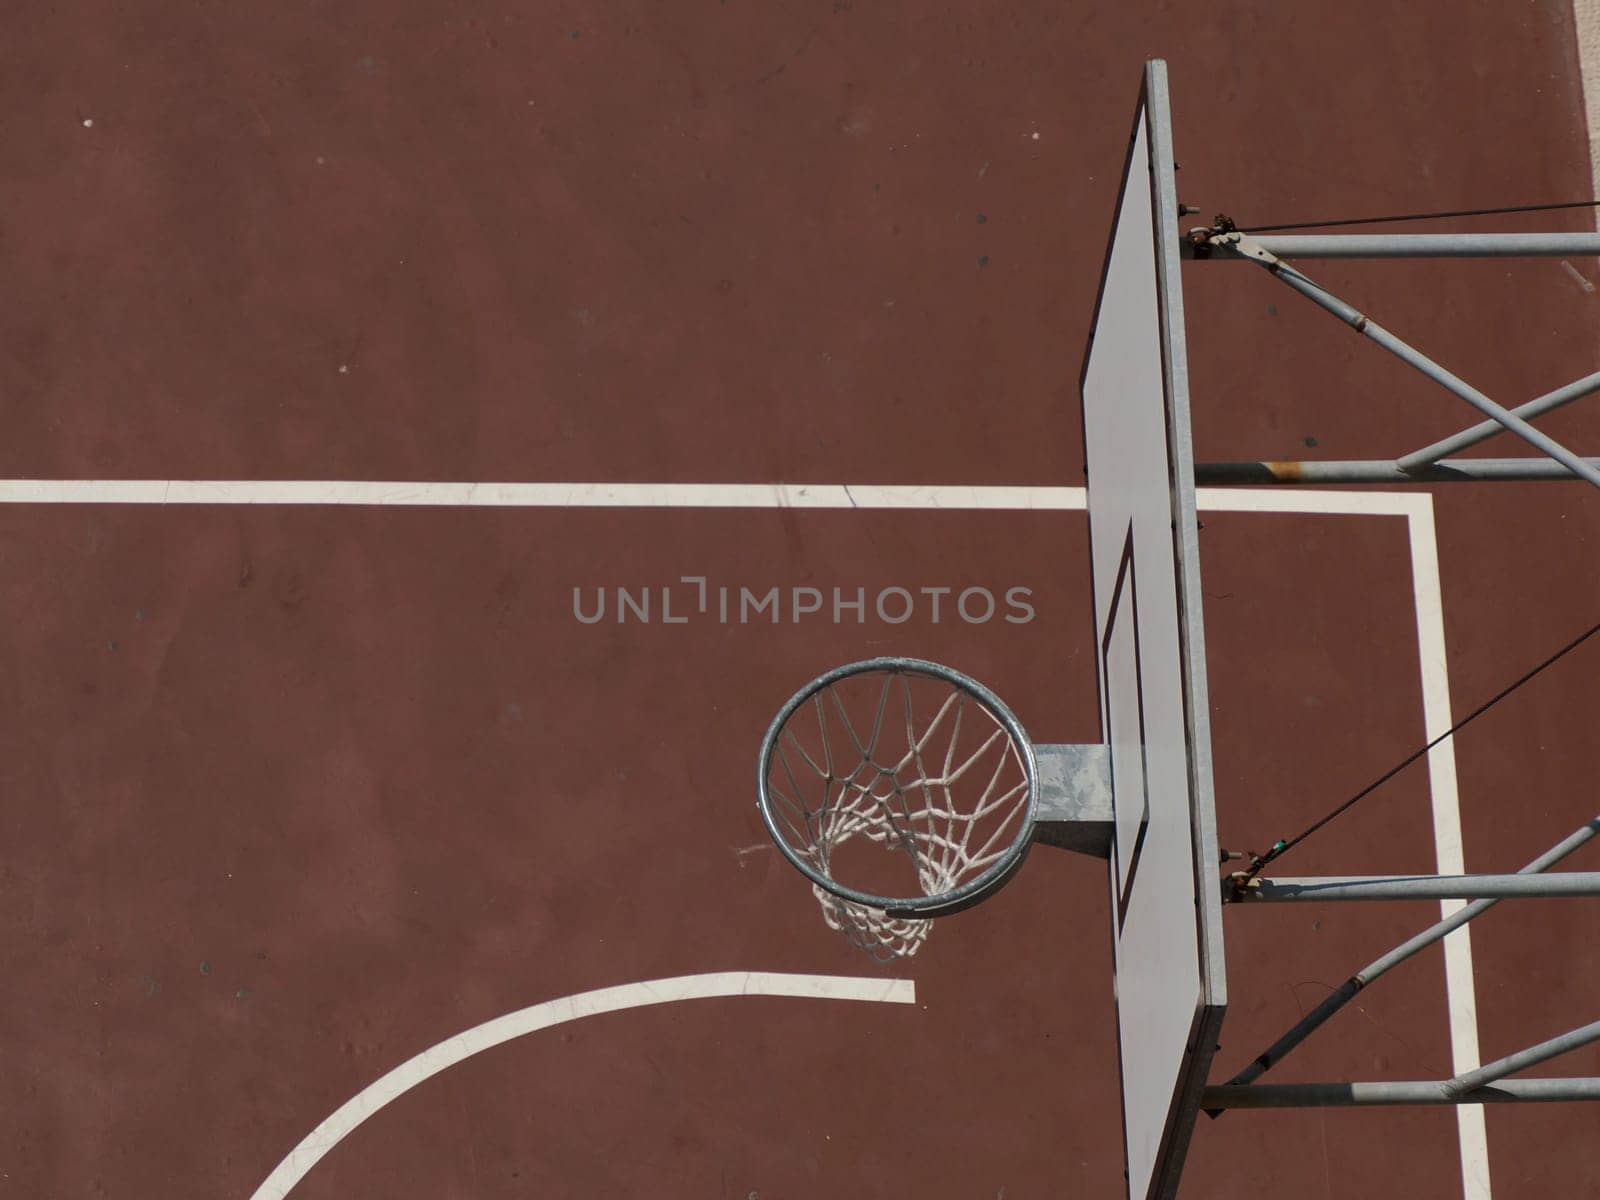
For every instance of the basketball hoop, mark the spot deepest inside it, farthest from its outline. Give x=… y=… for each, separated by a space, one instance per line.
x=915 y=759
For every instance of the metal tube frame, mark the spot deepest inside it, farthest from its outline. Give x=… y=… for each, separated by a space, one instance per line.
x=1202 y=244
x=1415 y=887
x=1356 y=1095
x=1451 y=470
x=1414 y=358
x=1266 y=251
x=1430 y=464
x=1345 y=992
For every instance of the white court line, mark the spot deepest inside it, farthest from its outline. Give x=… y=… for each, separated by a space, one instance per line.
x=1460 y=983
x=1314 y=503
x=1461 y=995
x=531 y=495
x=479 y=1038
x=1417 y=508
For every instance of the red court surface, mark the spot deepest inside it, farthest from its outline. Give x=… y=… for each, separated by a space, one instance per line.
x=293 y=793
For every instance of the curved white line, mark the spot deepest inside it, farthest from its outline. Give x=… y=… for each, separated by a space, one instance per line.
x=464 y=1045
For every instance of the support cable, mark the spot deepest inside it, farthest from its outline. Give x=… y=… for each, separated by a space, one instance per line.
x=1258 y=862
x=1427 y=216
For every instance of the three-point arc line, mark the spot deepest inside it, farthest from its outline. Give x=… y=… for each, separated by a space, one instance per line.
x=384 y=1091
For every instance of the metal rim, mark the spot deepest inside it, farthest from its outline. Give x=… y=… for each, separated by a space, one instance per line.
x=981 y=886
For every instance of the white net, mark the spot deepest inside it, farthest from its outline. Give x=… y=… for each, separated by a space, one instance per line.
x=909 y=763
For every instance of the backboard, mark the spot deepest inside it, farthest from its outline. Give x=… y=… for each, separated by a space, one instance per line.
x=1144 y=551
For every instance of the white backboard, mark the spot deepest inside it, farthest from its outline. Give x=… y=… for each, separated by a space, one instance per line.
x=1165 y=896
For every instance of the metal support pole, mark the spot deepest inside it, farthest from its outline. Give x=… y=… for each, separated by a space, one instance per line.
x=1418 y=887
x=1342 y=995
x=1471 y=1080
x=1548 y=402
x=1411 y=245
x=1453 y=470
x=1347 y=1095
x=1415 y=358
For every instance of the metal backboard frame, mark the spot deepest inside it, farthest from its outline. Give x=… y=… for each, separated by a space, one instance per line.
x=1144 y=549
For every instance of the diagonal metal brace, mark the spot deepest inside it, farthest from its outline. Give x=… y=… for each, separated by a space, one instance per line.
x=1471 y=1081
x=1576 y=390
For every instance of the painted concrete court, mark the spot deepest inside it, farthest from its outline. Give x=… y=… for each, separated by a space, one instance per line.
x=372 y=827
x=309 y=773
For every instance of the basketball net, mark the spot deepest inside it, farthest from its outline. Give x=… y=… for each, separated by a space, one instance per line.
x=948 y=791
